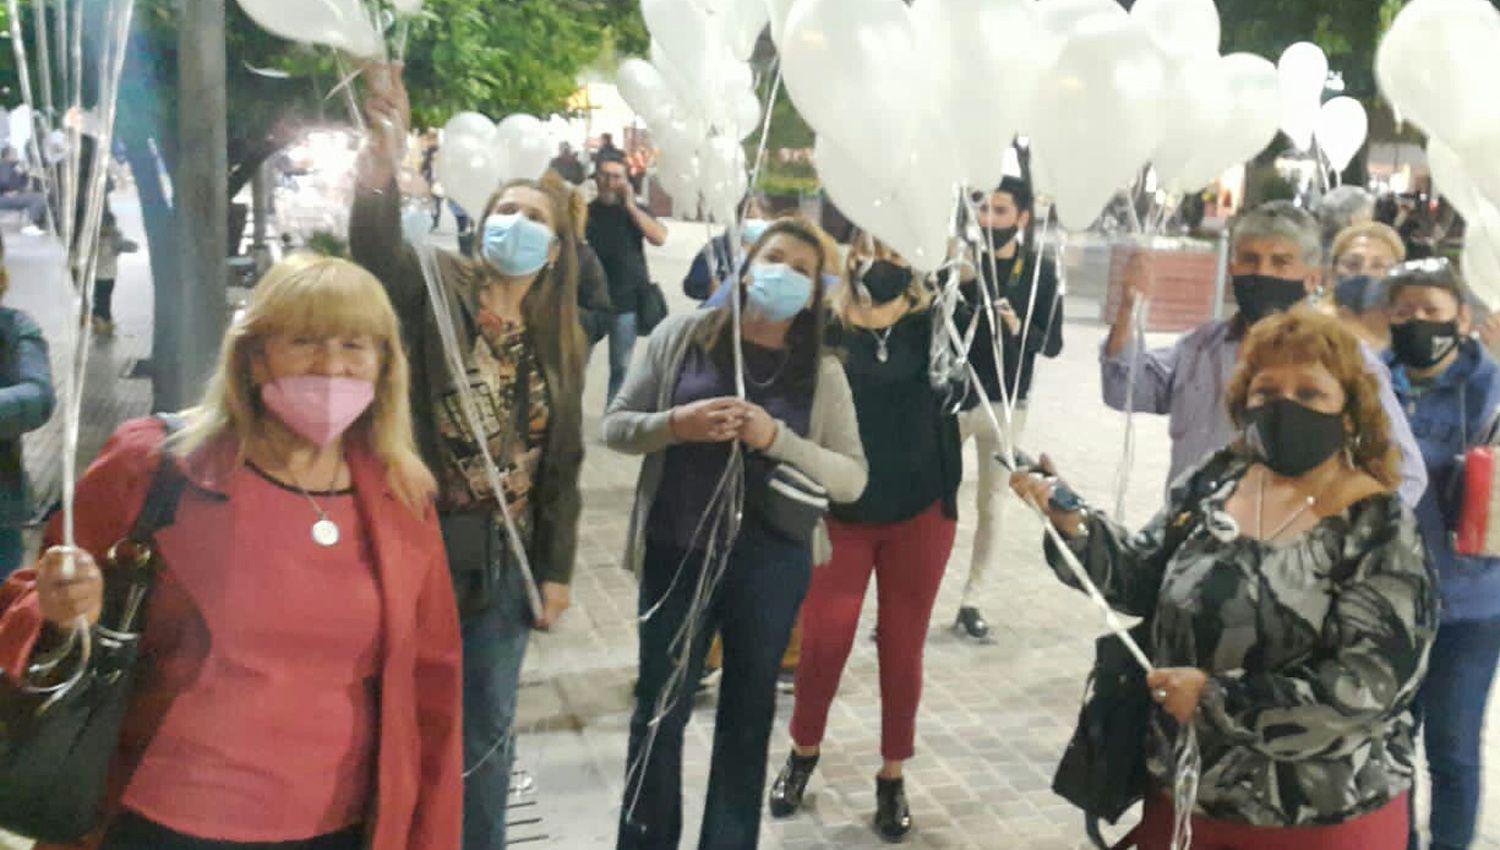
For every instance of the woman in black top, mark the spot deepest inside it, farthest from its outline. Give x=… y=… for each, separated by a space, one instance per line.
x=901 y=529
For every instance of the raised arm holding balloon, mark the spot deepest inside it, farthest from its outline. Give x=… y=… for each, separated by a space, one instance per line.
x=514 y=311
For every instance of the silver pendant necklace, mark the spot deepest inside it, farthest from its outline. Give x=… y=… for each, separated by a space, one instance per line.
x=1260 y=505
x=882 y=343
x=325 y=532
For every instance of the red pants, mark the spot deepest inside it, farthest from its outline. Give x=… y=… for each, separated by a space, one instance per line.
x=908 y=559
x=1383 y=829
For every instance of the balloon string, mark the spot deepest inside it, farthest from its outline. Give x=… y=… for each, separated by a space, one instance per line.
x=458 y=372
x=765 y=132
x=346 y=85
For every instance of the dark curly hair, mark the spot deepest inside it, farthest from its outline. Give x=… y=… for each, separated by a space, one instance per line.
x=1305 y=336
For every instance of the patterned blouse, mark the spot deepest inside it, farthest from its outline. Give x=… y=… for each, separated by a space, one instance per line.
x=1315 y=647
x=515 y=412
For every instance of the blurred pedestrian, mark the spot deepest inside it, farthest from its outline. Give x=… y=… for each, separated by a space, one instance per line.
x=1360 y=257
x=1026 y=300
x=26 y=402
x=1450 y=388
x=112 y=243
x=618 y=230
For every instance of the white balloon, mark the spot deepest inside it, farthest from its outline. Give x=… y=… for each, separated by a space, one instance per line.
x=1097 y=119
x=1438 y=66
x=1252 y=117
x=1342 y=129
x=986 y=58
x=469 y=124
x=526 y=145
x=855 y=194
x=1062 y=18
x=1482 y=161
x=1181 y=28
x=1303 y=71
x=778 y=11
x=747 y=114
x=470 y=169
x=341 y=24
x=1198 y=101
x=641 y=84
x=850 y=67
x=1452 y=180
x=407 y=7
x=744 y=21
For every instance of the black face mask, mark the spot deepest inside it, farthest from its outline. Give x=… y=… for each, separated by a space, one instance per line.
x=1422 y=344
x=1290 y=438
x=999 y=237
x=1356 y=294
x=1259 y=296
x=885 y=281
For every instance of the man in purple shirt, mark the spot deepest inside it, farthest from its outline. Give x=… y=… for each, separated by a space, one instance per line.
x=1276 y=262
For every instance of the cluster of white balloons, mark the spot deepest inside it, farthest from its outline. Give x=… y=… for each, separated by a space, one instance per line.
x=697 y=94
x=912 y=102
x=478 y=156
x=1339 y=126
x=1438 y=66
x=353 y=26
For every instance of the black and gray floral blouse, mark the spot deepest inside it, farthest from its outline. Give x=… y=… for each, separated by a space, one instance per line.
x=1315 y=647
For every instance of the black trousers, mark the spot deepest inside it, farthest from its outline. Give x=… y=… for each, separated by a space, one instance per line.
x=753 y=610
x=133 y=832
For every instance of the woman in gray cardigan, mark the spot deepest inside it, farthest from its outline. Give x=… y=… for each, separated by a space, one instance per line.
x=678 y=408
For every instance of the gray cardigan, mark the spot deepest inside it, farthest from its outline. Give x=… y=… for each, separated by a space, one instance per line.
x=638 y=422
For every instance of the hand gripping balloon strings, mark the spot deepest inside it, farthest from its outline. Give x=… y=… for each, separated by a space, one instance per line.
x=458 y=373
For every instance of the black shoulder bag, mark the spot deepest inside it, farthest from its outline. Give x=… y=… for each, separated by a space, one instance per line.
x=1103 y=769
x=58 y=740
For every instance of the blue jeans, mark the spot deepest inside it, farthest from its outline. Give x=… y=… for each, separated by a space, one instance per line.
x=1451 y=708
x=753 y=611
x=621 y=347
x=494 y=646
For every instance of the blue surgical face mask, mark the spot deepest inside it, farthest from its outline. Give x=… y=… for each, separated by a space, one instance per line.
x=515 y=244
x=751 y=229
x=776 y=292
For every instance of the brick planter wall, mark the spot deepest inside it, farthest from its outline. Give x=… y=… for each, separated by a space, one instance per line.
x=1184 y=288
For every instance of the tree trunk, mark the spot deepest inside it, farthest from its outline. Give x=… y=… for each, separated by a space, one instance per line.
x=200 y=195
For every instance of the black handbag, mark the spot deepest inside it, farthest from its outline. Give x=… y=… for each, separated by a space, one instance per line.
x=56 y=746
x=652 y=309
x=789 y=502
x=1103 y=770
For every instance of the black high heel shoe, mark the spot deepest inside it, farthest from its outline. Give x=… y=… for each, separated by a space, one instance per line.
x=972 y=623
x=791 y=784
x=892 y=814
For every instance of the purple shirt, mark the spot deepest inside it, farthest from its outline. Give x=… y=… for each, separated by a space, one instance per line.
x=1187 y=382
x=692 y=470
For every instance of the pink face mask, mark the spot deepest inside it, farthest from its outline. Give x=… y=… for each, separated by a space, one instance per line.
x=318 y=408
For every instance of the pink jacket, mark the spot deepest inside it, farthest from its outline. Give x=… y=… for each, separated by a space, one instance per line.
x=419 y=786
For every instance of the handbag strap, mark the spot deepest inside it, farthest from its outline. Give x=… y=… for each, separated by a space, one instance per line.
x=159 y=510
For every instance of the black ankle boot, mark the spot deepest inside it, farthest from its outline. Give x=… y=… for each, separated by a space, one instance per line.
x=892 y=815
x=791 y=784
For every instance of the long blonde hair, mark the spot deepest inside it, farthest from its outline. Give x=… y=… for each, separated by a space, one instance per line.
x=865 y=246
x=308 y=294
